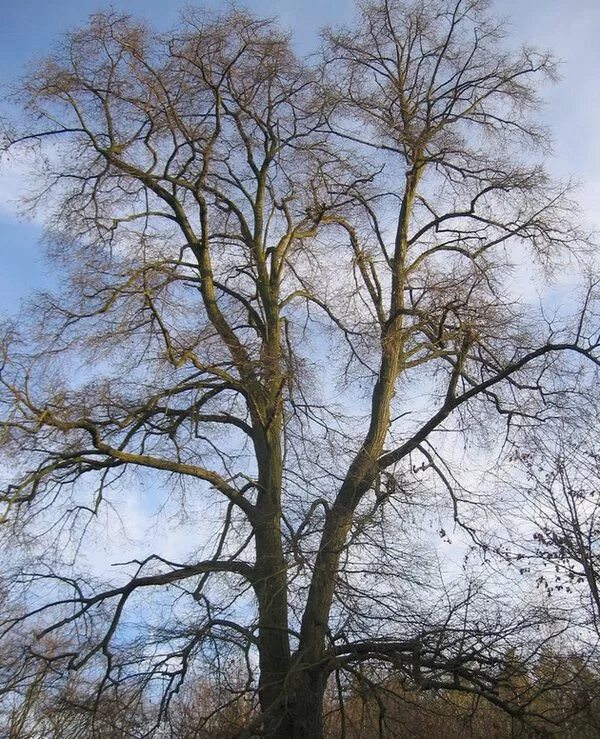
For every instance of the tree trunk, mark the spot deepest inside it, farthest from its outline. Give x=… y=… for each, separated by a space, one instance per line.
x=307 y=707
x=273 y=636
x=299 y=712
x=274 y=652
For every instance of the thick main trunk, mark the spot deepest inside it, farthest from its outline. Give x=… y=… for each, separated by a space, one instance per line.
x=290 y=690
x=273 y=635
x=307 y=708
x=271 y=587
x=299 y=711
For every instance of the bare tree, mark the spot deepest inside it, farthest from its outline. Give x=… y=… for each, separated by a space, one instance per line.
x=561 y=537
x=286 y=286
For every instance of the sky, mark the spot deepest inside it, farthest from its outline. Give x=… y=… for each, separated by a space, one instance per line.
x=30 y=27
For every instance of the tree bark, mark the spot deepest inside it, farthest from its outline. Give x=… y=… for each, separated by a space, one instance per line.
x=271 y=584
x=307 y=707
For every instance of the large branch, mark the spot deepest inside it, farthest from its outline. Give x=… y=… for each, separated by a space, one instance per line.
x=453 y=402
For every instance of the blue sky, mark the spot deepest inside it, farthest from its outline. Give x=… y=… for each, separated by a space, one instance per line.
x=29 y=28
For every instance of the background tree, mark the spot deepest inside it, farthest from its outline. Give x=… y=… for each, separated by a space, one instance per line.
x=285 y=288
x=561 y=533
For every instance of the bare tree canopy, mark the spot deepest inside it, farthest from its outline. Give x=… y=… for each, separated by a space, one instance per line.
x=289 y=304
